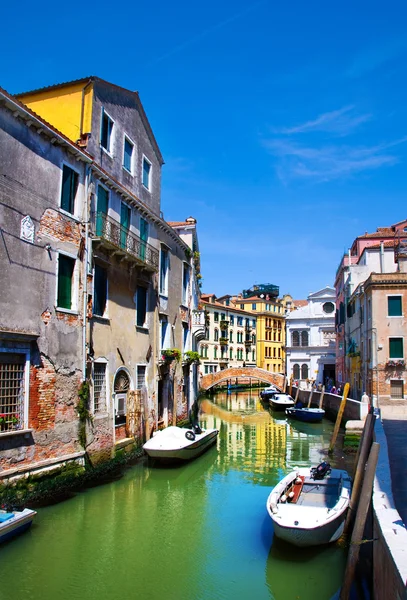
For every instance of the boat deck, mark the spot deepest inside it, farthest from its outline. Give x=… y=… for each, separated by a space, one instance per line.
x=319 y=493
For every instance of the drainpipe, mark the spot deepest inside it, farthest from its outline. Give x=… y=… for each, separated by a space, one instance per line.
x=85 y=271
x=381 y=257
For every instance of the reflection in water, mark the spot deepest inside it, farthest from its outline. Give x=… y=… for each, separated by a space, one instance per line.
x=195 y=531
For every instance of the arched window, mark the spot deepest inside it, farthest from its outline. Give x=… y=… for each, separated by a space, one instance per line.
x=215 y=352
x=296 y=371
x=295 y=337
x=304 y=338
x=216 y=335
x=304 y=371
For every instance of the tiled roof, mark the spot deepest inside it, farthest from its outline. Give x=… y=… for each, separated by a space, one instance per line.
x=386 y=244
x=179 y=223
x=298 y=303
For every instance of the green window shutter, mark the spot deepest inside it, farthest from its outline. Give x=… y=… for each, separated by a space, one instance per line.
x=100 y=291
x=69 y=189
x=66 y=266
x=396 y=348
x=394 y=306
x=128 y=152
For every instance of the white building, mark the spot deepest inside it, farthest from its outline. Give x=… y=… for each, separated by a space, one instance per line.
x=310 y=335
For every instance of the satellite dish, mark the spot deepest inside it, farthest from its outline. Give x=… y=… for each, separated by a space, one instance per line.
x=261 y=295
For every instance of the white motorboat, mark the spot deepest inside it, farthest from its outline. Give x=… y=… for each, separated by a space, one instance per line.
x=268 y=393
x=308 y=506
x=176 y=443
x=282 y=401
x=15 y=522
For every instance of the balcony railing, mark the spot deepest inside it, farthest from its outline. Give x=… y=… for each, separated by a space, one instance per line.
x=123 y=240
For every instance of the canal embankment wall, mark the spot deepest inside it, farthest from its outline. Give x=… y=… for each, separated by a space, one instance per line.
x=389 y=531
x=354 y=409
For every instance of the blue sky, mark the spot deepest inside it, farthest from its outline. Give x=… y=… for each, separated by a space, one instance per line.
x=283 y=125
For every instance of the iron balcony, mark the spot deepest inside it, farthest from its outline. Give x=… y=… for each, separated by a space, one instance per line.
x=113 y=236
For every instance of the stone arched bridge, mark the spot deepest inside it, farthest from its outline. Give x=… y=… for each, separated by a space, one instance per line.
x=208 y=381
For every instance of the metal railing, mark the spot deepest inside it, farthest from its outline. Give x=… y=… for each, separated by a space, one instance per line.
x=110 y=230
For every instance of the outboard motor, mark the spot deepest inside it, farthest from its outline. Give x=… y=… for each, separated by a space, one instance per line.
x=196 y=428
x=321 y=470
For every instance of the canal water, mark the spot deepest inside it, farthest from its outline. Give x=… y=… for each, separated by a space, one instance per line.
x=198 y=531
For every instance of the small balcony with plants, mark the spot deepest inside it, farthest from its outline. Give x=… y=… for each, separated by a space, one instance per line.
x=223 y=341
x=191 y=358
x=394 y=363
x=223 y=324
x=170 y=355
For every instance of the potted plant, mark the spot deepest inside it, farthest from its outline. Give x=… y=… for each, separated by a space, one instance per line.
x=171 y=354
x=191 y=357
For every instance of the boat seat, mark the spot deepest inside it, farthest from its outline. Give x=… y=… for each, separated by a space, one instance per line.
x=5 y=517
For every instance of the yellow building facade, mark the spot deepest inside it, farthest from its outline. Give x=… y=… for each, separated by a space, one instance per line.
x=270 y=332
x=68 y=107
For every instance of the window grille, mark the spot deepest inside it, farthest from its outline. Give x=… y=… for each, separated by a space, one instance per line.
x=141 y=376
x=396 y=388
x=12 y=367
x=99 y=386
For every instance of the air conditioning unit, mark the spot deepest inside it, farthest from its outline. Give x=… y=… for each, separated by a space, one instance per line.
x=120 y=404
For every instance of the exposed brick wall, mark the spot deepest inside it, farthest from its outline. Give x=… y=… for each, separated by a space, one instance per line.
x=42 y=396
x=57 y=226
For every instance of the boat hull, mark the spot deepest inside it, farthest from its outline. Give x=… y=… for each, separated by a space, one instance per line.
x=158 y=448
x=308 y=415
x=310 y=512
x=16 y=525
x=280 y=405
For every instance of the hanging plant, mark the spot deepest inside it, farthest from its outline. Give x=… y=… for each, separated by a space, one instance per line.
x=171 y=354
x=192 y=357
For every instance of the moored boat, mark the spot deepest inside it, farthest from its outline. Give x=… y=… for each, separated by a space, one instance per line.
x=268 y=393
x=178 y=444
x=309 y=415
x=308 y=506
x=282 y=401
x=13 y=523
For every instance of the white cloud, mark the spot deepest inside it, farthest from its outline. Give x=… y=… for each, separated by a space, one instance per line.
x=341 y=122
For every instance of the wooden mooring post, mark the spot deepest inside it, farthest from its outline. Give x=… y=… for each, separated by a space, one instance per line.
x=361 y=515
x=359 y=469
x=291 y=384
x=297 y=393
x=321 y=396
x=339 y=418
x=310 y=396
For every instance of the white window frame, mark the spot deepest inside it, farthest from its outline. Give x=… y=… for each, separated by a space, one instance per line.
x=75 y=285
x=185 y=291
x=144 y=365
x=395 y=337
x=395 y=316
x=149 y=173
x=104 y=361
x=109 y=151
x=163 y=286
x=128 y=138
x=27 y=353
x=164 y=345
x=78 y=198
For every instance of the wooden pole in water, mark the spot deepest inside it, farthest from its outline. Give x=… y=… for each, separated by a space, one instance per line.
x=310 y=395
x=297 y=393
x=367 y=431
x=357 y=534
x=359 y=471
x=321 y=396
x=291 y=384
x=339 y=418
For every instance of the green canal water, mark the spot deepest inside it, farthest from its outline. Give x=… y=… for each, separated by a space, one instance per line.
x=199 y=531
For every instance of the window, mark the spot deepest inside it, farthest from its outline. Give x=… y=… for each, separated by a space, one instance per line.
x=394 y=306
x=128 y=155
x=99 y=387
x=185 y=283
x=66 y=266
x=185 y=332
x=231 y=353
x=328 y=307
x=70 y=181
x=304 y=371
x=106 y=130
x=232 y=320
x=295 y=338
x=140 y=376
x=254 y=306
x=99 y=291
x=125 y=216
x=396 y=348
x=242 y=306
x=215 y=352
x=216 y=317
x=396 y=388
x=146 y=175
x=164 y=331
x=12 y=389
x=216 y=335
x=304 y=338
x=141 y=306
x=231 y=336
x=240 y=321
x=164 y=264
x=101 y=210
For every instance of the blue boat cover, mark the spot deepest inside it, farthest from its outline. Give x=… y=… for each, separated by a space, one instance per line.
x=5 y=517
